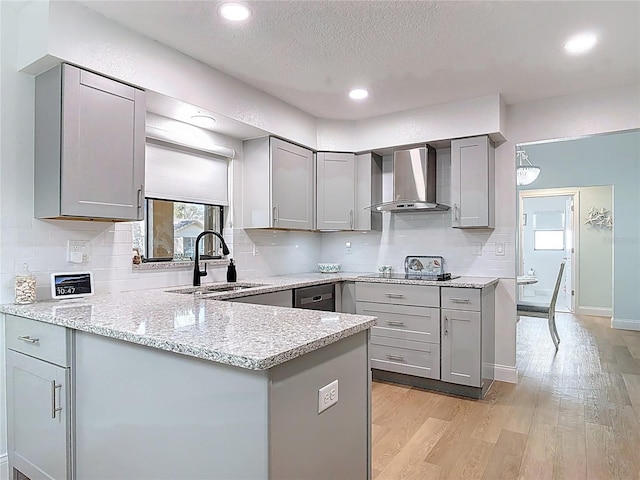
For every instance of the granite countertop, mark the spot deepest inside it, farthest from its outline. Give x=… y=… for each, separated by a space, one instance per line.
x=255 y=337
x=284 y=282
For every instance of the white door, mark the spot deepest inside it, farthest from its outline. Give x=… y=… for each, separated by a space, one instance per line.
x=547 y=239
x=566 y=296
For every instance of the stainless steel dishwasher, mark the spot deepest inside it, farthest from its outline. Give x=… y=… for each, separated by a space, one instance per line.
x=317 y=297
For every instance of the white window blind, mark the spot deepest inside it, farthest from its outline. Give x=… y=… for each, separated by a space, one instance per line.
x=184 y=174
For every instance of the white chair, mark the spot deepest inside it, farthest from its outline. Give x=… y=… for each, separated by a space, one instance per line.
x=529 y=309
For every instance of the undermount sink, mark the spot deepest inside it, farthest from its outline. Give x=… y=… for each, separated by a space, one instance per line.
x=220 y=287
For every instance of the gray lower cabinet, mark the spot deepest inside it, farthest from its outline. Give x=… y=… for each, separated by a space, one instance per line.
x=441 y=333
x=150 y=414
x=406 y=338
x=461 y=347
x=468 y=335
x=89 y=146
x=38 y=400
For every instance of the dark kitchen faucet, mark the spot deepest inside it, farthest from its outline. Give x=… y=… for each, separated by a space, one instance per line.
x=196 y=267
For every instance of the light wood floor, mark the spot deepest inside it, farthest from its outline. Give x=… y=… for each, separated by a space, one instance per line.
x=573 y=415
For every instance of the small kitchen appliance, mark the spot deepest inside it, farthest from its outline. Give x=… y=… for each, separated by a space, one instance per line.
x=421 y=267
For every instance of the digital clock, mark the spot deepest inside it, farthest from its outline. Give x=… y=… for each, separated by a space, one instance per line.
x=71 y=284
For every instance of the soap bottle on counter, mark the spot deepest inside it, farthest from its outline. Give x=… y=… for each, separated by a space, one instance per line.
x=232 y=276
x=25 y=286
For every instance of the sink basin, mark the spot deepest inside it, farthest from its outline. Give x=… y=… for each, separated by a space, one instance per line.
x=217 y=288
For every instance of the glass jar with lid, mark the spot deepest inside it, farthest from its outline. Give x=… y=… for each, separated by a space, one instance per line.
x=25 y=286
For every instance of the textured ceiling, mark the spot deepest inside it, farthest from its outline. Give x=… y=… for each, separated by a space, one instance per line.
x=408 y=54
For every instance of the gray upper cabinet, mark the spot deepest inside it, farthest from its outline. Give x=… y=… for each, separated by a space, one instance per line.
x=277 y=185
x=368 y=191
x=90 y=138
x=336 y=191
x=472 y=183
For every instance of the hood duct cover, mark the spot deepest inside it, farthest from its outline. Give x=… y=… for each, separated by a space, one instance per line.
x=414 y=182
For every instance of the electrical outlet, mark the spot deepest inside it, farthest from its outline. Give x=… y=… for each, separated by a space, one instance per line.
x=77 y=251
x=327 y=396
x=477 y=249
x=255 y=251
x=348 y=247
x=500 y=249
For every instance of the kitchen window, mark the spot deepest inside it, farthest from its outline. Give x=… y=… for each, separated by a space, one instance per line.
x=170 y=228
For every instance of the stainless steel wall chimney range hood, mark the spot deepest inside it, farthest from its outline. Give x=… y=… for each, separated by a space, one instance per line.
x=414 y=182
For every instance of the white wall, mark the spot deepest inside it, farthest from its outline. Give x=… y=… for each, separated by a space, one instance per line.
x=604 y=160
x=466 y=118
x=596 y=255
x=591 y=113
x=80 y=36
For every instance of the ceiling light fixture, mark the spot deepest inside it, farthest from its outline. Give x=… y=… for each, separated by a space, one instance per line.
x=358 y=93
x=236 y=12
x=580 y=43
x=525 y=173
x=203 y=120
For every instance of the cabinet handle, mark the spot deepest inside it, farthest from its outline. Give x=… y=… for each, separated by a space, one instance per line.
x=459 y=300
x=54 y=409
x=455 y=212
x=140 y=196
x=397 y=358
x=394 y=295
x=275 y=215
x=27 y=338
x=351 y=219
x=395 y=323
x=446 y=326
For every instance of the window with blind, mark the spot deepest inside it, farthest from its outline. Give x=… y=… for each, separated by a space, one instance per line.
x=186 y=191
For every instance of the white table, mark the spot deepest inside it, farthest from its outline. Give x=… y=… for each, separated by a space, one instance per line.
x=526 y=280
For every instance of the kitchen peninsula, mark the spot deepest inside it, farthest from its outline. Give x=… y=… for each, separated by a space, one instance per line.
x=153 y=384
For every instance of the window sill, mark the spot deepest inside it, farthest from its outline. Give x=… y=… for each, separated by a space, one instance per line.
x=179 y=265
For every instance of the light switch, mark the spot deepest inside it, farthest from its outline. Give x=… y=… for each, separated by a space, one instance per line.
x=500 y=248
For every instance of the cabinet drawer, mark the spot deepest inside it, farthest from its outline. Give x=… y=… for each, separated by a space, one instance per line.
x=405 y=322
x=404 y=356
x=461 y=298
x=38 y=339
x=423 y=296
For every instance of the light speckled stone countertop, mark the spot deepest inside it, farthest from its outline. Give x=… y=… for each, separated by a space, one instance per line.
x=244 y=335
x=250 y=336
x=283 y=282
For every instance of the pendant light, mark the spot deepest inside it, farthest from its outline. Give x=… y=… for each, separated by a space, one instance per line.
x=525 y=173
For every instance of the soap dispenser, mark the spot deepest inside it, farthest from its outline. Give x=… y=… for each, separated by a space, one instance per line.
x=231 y=272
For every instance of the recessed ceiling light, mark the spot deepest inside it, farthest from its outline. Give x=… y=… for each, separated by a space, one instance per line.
x=203 y=120
x=236 y=12
x=580 y=43
x=358 y=93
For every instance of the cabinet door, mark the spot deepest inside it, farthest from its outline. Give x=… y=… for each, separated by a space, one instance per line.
x=38 y=417
x=292 y=194
x=472 y=183
x=461 y=361
x=102 y=147
x=336 y=191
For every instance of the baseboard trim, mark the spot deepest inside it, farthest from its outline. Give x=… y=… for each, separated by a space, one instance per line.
x=4 y=467
x=505 y=373
x=596 y=311
x=625 y=324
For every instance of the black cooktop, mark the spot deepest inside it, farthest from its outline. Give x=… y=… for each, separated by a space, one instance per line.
x=413 y=276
